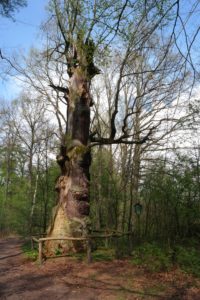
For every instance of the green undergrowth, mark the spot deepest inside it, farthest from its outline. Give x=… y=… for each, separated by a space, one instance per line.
x=103 y=254
x=189 y=260
x=30 y=254
x=152 y=257
x=157 y=258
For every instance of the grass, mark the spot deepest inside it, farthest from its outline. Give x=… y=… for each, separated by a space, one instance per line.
x=103 y=254
x=157 y=258
x=151 y=256
x=188 y=259
x=30 y=254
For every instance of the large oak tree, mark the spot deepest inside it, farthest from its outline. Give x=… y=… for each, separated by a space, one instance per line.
x=81 y=36
x=85 y=31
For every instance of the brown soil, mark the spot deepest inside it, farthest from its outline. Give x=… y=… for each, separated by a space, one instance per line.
x=66 y=278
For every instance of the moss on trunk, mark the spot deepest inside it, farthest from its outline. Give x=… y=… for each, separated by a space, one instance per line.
x=71 y=217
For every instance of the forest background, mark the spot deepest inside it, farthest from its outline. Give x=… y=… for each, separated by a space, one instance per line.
x=147 y=184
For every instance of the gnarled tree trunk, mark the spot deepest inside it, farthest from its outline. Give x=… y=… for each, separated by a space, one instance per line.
x=71 y=215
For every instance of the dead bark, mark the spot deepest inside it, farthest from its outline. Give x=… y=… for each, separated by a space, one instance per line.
x=71 y=215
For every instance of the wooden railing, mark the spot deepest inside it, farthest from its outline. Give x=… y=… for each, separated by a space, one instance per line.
x=88 y=240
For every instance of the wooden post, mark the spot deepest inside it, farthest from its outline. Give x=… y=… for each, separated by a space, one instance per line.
x=40 y=252
x=89 y=251
x=32 y=243
x=106 y=242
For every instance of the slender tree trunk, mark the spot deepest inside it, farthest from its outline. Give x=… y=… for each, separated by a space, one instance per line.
x=147 y=210
x=30 y=191
x=46 y=188
x=126 y=160
x=33 y=194
x=135 y=173
x=3 y=221
x=98 y=204
x=33 y=204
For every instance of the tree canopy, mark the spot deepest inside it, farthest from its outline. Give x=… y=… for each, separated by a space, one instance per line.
x=9 y=7
x=114 y=81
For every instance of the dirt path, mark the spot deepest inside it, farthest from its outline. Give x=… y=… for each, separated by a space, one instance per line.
x=20 y=279
x=66 y=278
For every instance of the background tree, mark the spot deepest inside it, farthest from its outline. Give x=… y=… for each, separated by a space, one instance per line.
x=77 y=46
x=147 y=76
x=9 y=7
x=26 y=141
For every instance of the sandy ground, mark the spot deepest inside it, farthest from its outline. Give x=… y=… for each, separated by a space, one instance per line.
x=66 y=278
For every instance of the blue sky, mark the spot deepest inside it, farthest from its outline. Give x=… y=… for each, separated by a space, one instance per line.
x=21 y=34
x=24 y=33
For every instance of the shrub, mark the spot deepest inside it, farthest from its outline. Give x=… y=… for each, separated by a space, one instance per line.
x=30 y=254
x=188 y=259
x=153 y=257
